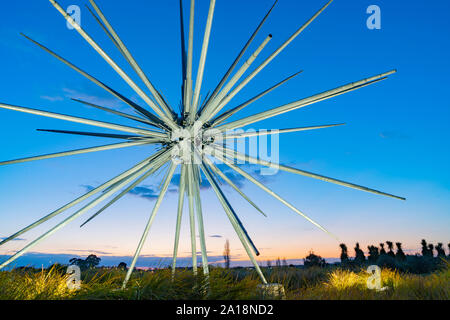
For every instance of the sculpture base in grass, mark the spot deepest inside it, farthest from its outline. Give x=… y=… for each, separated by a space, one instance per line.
x=272 y=291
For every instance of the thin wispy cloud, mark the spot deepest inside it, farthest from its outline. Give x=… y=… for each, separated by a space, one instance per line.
x=52 y=98
x=95 y=99
x=15 y=239
x=394 y=135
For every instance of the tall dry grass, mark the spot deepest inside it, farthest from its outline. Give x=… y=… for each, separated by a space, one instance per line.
x=234 y=284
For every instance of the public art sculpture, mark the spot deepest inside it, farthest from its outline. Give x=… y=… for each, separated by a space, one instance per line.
x=188 y=139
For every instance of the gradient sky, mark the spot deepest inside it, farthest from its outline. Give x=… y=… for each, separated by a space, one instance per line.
x=395 y=140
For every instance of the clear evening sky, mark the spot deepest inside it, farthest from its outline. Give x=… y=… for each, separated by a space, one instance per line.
x=395 y=139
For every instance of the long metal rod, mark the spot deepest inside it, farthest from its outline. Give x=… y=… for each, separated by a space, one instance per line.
x=114 y=65
x=240 y=156
x=107 y=32
x=75 y=152
x=72 y=217
x=172 y=168
x=118 y=113
x=305 y=102
x=190 y=193
x=271 y=132
x=183 y=47
x=223 y=117
x=124 y=50
x=181 y=195
x=229 y=211
x=201 y=227
x=90 y=122
x=269 y=59
x=241 y=54
x=216 y=170
x=156 y=166
x=235 y=219
x=96 y=134
x=188 y=96
x=201 y=67
x=87 y=195
x=136 y=107
x=213 y=108
x=273 y=194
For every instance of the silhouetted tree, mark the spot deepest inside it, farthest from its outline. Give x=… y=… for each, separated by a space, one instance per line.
x=226 y=254
x=431 y=250
x=269 y=264
x=278 y=263
x=449 y=249
x=313 y=260
x=391 y=249
x=90 y=262
x=400 y=255
x=382 y=251
x=424 y=248
x=344 y=253
x=360 y=258
x=284 y=263
x=122 y=266
x=440 y=250
x=373 y=254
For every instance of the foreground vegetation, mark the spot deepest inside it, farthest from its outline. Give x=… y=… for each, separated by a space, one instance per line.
x=315 y=283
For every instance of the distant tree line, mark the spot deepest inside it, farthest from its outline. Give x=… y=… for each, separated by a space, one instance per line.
x=395 y=258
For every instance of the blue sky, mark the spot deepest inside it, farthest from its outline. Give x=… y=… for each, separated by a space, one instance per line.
x=396 y=137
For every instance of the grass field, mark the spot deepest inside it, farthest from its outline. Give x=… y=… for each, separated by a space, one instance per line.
x=329 y=283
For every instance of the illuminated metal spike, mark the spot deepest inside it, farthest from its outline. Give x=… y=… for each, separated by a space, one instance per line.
x=181 y=195
x=137 y=108
x=242 y=157
x=114 y=65
x=162 y=193
x=190 y=194
x=304 y=102
x=106 y=31
x=232 y=214
x=214 y=168
x=201 y=65
x=188 y=95
x=229 y=211
x=90 y=122
x=241 y=54
x=87 y=195
x=72 y=217
x=265 y=63
x=124 y=50
x=75 y=152
x=201 y=227
x=273 y=194
x=211 y=108
x=183 y=54
x=156 y=165
x=220 y=119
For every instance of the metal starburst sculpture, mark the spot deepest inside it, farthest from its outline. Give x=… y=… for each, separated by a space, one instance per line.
x=189 y=139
